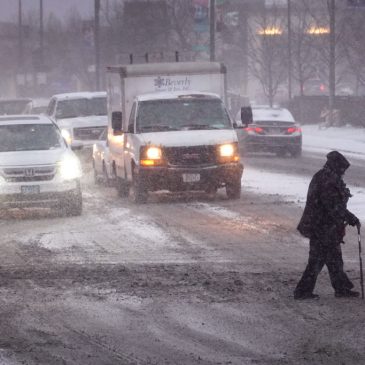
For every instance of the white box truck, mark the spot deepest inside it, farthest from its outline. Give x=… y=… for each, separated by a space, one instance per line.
x=169 y=129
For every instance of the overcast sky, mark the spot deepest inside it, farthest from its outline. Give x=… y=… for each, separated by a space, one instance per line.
x=9 y=8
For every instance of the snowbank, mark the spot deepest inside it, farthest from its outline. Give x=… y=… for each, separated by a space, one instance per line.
x=348 y=140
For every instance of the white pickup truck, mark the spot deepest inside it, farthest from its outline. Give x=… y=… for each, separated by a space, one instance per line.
x=168 y=129
x=81 y=116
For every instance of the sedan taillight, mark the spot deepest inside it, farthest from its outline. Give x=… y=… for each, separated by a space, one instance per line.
x=254 y=129
x=292 y=130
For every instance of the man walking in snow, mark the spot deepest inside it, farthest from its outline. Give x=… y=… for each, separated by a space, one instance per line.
x=324 y=220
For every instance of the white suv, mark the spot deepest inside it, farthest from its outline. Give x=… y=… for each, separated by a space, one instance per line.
x=37 y=167
x=82 y=117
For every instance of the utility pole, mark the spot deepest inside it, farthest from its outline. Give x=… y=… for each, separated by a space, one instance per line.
x=20 y=35
x=20 y=69
x=41 y=35
x=332 y=60
x=212 y=30
x=97 y=43
x=289 y=52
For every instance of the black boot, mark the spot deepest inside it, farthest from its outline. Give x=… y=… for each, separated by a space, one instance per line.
x=302 y=296
x=347 y=293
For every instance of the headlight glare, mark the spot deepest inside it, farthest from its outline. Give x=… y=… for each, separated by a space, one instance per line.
x=66 y=134
x=228 y=153
x=70 y=168
x=154 y=153
x=226 y=150
x=151 y=156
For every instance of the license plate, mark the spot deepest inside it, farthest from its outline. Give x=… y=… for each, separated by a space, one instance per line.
x=30 y=189
x=191 y=178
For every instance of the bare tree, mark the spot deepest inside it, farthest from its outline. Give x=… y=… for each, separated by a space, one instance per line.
x=353 y=45
x=303 y=54
x=268 y=51
x=319 y=11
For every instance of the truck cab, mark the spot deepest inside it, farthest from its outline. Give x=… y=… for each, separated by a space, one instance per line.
x=174 y=140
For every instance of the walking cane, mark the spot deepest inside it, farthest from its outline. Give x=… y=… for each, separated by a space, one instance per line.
x=361 y=271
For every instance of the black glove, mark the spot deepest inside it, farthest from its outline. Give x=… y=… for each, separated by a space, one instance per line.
x=352 y=220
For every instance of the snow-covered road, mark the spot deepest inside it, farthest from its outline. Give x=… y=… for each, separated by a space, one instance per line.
x=180 y=280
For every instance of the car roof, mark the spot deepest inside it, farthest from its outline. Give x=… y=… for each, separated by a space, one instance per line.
x=267 y=113
x=263 y=113
x=176 y=95
x=24 y=119
x=80 y=95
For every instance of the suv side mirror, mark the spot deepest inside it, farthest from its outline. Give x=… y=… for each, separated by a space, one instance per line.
x=117 y=122
x=246 y=115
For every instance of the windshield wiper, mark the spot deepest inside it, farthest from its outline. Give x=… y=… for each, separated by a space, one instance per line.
x=198 y=126
x=158 y=127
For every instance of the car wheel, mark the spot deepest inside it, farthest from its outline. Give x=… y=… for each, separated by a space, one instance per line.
x=96 y=177
x=297 y=152
x=122 y=187
x=106 y=178
x=233 y=189
x=211 y=190
x=281 y=152
x=138 y=190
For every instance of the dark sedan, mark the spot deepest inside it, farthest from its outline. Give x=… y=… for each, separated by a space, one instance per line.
x=271 y=130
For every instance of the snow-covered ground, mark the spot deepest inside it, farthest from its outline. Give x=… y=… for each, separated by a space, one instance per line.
x=347 y=140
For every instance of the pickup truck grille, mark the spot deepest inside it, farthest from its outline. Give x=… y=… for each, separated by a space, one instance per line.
x=29 y=174
x=88 y=133
x=190 y=156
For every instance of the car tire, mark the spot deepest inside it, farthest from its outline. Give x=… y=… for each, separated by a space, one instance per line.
x=96 y=177
x=122 y=187
x=281 y=152
x=233 y=189
x=106 y=178
x=211 y=191
x=297 y=152
x=138 y=191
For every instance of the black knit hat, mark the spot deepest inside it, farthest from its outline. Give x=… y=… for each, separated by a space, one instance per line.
x=337 y=161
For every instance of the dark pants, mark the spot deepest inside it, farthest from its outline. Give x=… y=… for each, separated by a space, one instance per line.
x=319 y=255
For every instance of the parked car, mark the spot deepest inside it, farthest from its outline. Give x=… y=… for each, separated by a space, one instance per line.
x=14 y=106
x=272 y=129
x=37 y=167
x=82 y=117
x=101 y=160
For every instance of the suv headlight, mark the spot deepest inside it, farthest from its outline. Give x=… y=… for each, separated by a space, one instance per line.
x=66 y=134
x=228 y=153
x=70 y=168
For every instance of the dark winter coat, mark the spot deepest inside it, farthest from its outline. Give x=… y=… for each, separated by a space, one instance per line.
x=325 y=214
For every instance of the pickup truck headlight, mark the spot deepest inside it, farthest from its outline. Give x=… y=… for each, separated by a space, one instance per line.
x=151 y=156
x=228 y=153
x=70 y=168
x=154 y=153
x=66 y=134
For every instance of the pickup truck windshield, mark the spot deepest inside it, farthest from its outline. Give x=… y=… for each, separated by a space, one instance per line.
x=81 y=107
x=29 y=137
x=181 y=114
